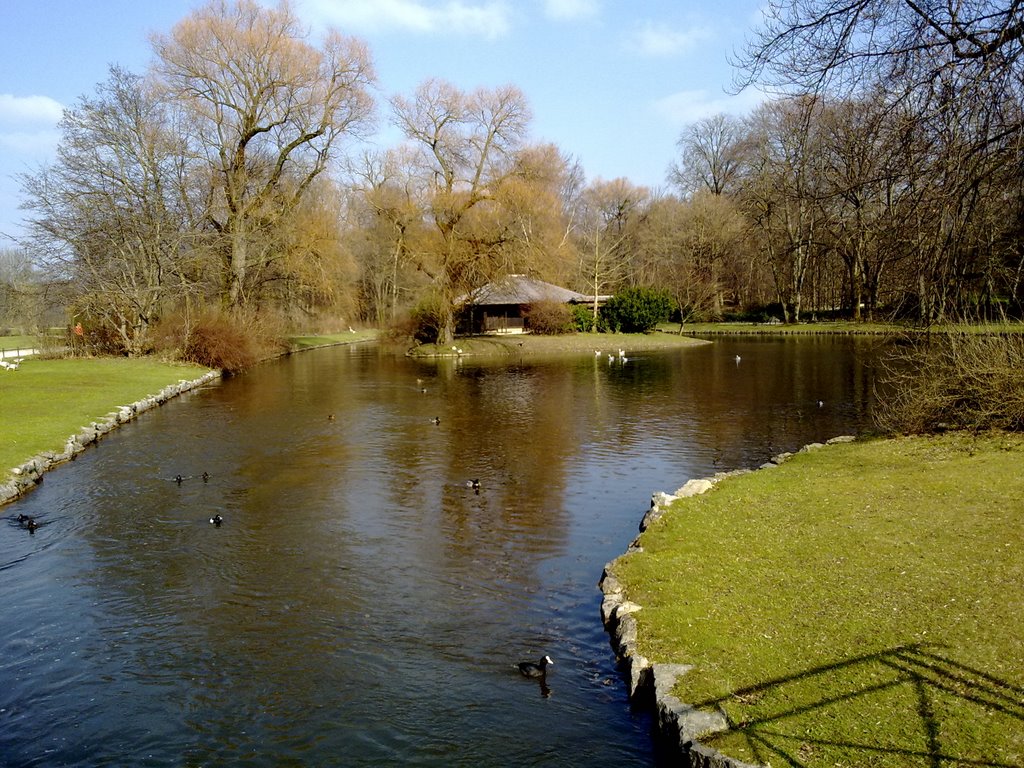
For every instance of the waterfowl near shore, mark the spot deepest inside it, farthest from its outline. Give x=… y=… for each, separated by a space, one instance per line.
x=535 y=668
x=216 y=520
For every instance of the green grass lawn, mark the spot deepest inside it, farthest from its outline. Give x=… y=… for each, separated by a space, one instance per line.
x=861 y=605
x=296 y=343
x=515 y=345
x=841 y=327
x=46 y=401
x=18 y=342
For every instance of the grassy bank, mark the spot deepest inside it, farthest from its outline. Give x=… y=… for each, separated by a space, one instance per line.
x=46 y=401
x=858 y=606
x=575 y=343
x=838 y=327
x=297 y=343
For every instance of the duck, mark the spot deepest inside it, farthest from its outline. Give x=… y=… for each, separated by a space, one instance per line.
x=330 y=417
x=178 y=479
x=535 y=668
x=821 y=403
x=31 y=524
x=23 y=518
x=216 y=520
x=474 y=484
x=738 y=358
x=436 y=420
x=206 y=477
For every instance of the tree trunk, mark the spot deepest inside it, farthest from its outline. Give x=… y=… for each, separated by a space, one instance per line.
x=236 y=270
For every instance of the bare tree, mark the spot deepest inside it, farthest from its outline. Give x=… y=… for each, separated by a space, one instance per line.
x=780 y=194
x=609 y=210
x=268 y=111
x=843 y=45
x=710 y=155
x=115 y=214
x=387 y=222
x=468 y=145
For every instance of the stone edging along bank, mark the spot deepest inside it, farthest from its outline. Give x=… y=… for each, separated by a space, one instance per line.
x=678 y=723
x=30 y=474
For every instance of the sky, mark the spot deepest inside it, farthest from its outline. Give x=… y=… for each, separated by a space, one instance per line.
x=611 y=82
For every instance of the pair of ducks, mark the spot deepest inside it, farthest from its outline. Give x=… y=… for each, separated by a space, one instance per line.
x=28 y=522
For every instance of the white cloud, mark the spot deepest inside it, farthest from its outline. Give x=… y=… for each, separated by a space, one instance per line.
x=657 y=40
x=30 y=145
x=28 y=127
x=686 y=107
x=490 y=19
x=571 y=9
x=29 y=110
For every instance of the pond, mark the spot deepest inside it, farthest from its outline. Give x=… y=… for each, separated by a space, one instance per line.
x=361 y=604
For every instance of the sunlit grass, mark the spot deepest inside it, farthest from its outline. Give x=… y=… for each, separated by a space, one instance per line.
x=842 y=327
x=573 y=343
x=18 y=342
x=46 y=401
x=857 y=606
x=347 y=337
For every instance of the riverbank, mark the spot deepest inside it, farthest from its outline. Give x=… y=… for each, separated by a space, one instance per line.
x=838 y=328
x=519 y=345
x=54 y=409
x=854 y=605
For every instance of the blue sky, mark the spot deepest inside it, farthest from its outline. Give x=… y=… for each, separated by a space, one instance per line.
x=612 y=82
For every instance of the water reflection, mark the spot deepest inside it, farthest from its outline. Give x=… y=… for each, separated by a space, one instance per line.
x=360 y=605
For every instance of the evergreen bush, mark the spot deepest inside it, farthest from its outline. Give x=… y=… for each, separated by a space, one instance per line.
x=636 y=310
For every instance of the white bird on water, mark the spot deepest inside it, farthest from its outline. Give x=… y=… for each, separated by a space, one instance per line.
x=738 y=358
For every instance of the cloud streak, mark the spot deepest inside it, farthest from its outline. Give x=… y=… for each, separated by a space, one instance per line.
x=686 y=107
x=28 y=126
x=29 y=110
x=660 y=41
x=569 y=10
x=490 y=19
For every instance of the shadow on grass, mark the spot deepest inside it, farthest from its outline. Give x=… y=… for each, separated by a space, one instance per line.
x=909 y=705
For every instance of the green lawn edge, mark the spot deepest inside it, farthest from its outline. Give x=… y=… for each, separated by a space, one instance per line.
x=839 y=327
x=45 y=401
x=859 y=605
x=528 y=344
x=300 y=343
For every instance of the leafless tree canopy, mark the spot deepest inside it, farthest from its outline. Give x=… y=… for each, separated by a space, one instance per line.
x=818 y=45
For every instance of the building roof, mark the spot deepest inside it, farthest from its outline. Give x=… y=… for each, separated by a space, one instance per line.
x=520 y=289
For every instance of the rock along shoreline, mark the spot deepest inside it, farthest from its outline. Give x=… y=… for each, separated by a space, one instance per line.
x=678 y=724
x=28 y=475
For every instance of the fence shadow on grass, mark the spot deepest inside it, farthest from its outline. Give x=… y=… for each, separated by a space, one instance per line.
x=781 y=719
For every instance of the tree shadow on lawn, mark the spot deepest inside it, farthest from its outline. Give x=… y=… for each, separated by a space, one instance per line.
x=955 y=711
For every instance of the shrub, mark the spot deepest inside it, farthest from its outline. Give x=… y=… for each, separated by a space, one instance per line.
x=550 y=318
x=426 y=320
x=583 y=318
x=636 y=310
x=215 y=339
x=955 y=381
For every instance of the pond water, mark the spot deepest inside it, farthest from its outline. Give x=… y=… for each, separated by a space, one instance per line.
x=360 y=605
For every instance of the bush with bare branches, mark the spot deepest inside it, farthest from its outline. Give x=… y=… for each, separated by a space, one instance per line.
x=955 y=381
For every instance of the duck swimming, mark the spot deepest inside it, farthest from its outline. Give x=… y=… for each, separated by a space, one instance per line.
x=474 y=484
x=535 y=668
x=216 y=520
